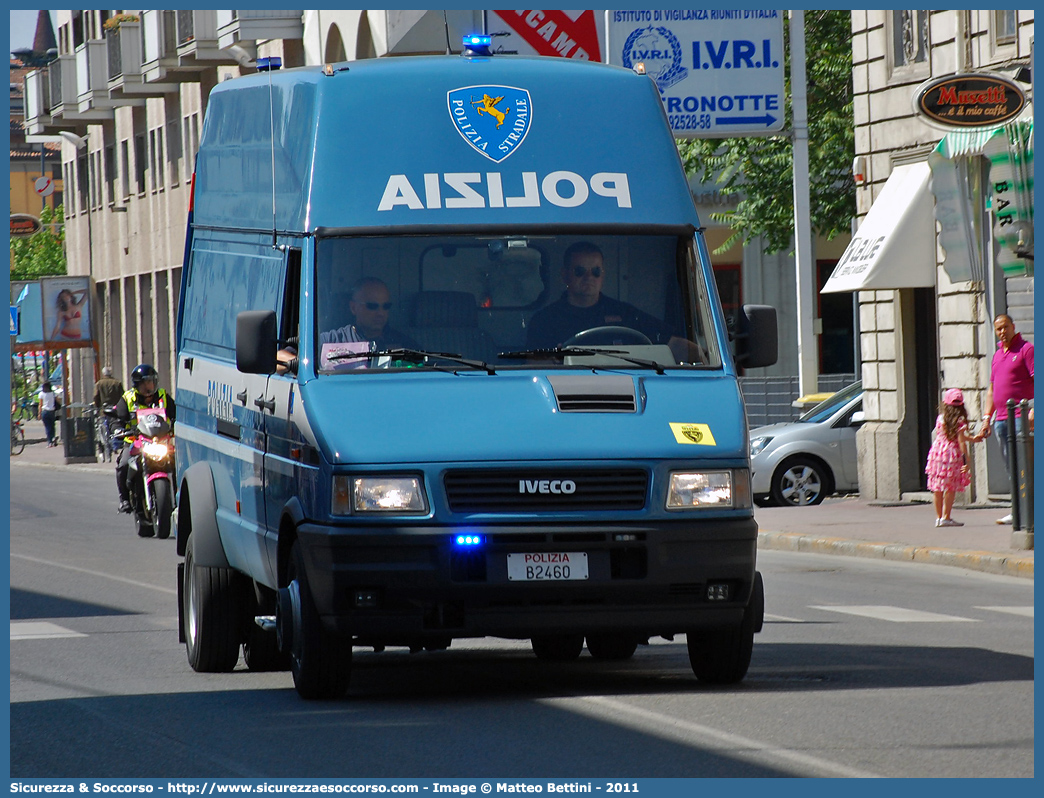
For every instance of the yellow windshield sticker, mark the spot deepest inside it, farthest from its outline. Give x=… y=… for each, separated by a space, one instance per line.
x=693 y=433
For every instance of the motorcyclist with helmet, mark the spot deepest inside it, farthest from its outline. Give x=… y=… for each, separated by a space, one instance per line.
x=145 y=392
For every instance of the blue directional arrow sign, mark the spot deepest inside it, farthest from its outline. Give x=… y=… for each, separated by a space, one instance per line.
x=719 y=72
x=747 y=121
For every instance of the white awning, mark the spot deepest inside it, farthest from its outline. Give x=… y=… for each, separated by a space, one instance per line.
x=895 y=245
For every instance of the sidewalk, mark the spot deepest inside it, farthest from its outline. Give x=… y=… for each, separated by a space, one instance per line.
x=896 y=531
x=843 y=525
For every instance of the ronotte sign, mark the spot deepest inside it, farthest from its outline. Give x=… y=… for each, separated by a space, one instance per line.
x=969 y=100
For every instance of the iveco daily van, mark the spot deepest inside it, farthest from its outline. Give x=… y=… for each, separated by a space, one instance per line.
x=508 y=403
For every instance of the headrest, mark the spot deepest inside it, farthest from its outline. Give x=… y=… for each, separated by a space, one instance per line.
x=445 y=309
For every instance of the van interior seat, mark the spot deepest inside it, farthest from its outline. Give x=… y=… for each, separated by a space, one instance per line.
x=447 y=321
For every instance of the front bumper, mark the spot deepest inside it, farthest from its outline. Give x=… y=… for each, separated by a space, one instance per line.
x=650 y=579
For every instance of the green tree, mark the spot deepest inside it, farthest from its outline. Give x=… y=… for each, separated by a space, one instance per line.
x=760 y=170
x=41 y=254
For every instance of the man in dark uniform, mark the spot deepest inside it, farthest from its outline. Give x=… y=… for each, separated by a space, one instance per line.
x=584 y=306
x=144 y=393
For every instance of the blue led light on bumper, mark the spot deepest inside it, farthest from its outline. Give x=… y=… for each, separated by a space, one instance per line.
x=468 y=541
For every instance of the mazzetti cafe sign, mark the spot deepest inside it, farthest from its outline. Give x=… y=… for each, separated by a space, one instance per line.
x=969 y=100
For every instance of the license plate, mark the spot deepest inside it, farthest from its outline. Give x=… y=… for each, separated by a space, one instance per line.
x=548 y=566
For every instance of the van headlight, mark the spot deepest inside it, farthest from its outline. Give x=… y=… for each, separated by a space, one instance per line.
x=759 y=443
x=394 y=494
x=698 y=490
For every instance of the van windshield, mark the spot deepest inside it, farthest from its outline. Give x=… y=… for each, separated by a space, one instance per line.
x=621 y=301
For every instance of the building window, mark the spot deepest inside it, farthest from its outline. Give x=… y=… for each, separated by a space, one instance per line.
x=909 y=38
x=82 y=184
x=152 y=160
x=173 y=149
x=95 y=166
x=125 y=167
x=110 y=173
x=1004 y=27
x=191 y=144
x=139 y=162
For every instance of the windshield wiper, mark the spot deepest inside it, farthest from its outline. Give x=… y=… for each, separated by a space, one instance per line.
x=416 y=356
x=560 y=351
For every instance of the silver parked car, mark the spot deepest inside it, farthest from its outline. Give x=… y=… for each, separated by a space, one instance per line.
x=802 y=462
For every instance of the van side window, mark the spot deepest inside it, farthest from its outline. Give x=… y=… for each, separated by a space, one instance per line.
x=224 y=279
x=291 y=314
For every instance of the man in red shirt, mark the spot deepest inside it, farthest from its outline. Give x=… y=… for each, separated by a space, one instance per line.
x=1011 y=377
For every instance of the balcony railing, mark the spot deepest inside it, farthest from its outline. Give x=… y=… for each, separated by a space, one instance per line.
x=235 y=26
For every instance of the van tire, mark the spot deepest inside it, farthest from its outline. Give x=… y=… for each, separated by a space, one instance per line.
x=722 y=656
x=557 y=648
x=320 y=661
x=612 y=646
x=212 y=612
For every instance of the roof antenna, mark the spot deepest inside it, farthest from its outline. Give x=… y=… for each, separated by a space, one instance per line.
x=267 y=65
x=445 y=20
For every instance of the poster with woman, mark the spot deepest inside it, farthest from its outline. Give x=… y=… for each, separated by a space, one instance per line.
x=66 y=309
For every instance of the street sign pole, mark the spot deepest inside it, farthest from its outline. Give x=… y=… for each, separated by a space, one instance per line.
x=808 y=354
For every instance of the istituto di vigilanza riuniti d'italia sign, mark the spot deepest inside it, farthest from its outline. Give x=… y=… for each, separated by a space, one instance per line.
x=968 y=101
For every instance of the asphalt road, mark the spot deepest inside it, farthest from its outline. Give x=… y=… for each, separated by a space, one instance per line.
x=865 y=668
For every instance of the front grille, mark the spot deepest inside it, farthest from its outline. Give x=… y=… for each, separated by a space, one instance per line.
x=532 y=491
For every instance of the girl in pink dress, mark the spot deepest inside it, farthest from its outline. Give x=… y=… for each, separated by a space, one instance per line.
x=947 y=467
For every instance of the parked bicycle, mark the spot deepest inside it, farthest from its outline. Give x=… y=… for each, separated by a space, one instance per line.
x=105 y=445
x=25 y=409
x=17 y=437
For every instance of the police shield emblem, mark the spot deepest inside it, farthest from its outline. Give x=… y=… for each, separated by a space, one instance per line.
x=492 y=119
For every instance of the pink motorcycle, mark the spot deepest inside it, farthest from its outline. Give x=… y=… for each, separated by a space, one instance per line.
x=150 y=478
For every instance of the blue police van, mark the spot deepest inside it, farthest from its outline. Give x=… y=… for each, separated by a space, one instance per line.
x=451 y=364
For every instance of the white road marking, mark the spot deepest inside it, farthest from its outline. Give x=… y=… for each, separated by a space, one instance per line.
x=896 y=614
x=113 y=577
x=40 y=630
x=696 y=734
x=770 y=618
x=1026 y=612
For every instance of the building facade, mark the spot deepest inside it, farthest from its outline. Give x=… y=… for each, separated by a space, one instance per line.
x=925 y=316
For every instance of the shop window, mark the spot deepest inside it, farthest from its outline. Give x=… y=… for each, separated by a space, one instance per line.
x=837 y=312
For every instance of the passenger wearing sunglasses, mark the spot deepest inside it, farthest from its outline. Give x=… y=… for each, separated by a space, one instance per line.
x=369 y=305
x=583 y=306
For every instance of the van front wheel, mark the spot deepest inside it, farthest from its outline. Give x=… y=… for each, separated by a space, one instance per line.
x=320 y=661
x=722 y=656
x=211 y=615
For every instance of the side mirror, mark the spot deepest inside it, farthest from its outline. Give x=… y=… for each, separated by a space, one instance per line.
x=256 y=341
x=858 y=417
x=757 y=337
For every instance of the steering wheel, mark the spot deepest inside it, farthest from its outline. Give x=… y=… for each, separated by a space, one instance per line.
x=597 y=336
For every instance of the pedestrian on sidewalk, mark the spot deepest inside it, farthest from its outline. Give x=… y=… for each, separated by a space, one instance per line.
x=1011 y=377
x=48 y=409
x=947 y=467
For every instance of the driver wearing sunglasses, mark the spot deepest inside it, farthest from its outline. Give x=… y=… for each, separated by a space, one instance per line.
x=583 y=306
x=370 y=305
